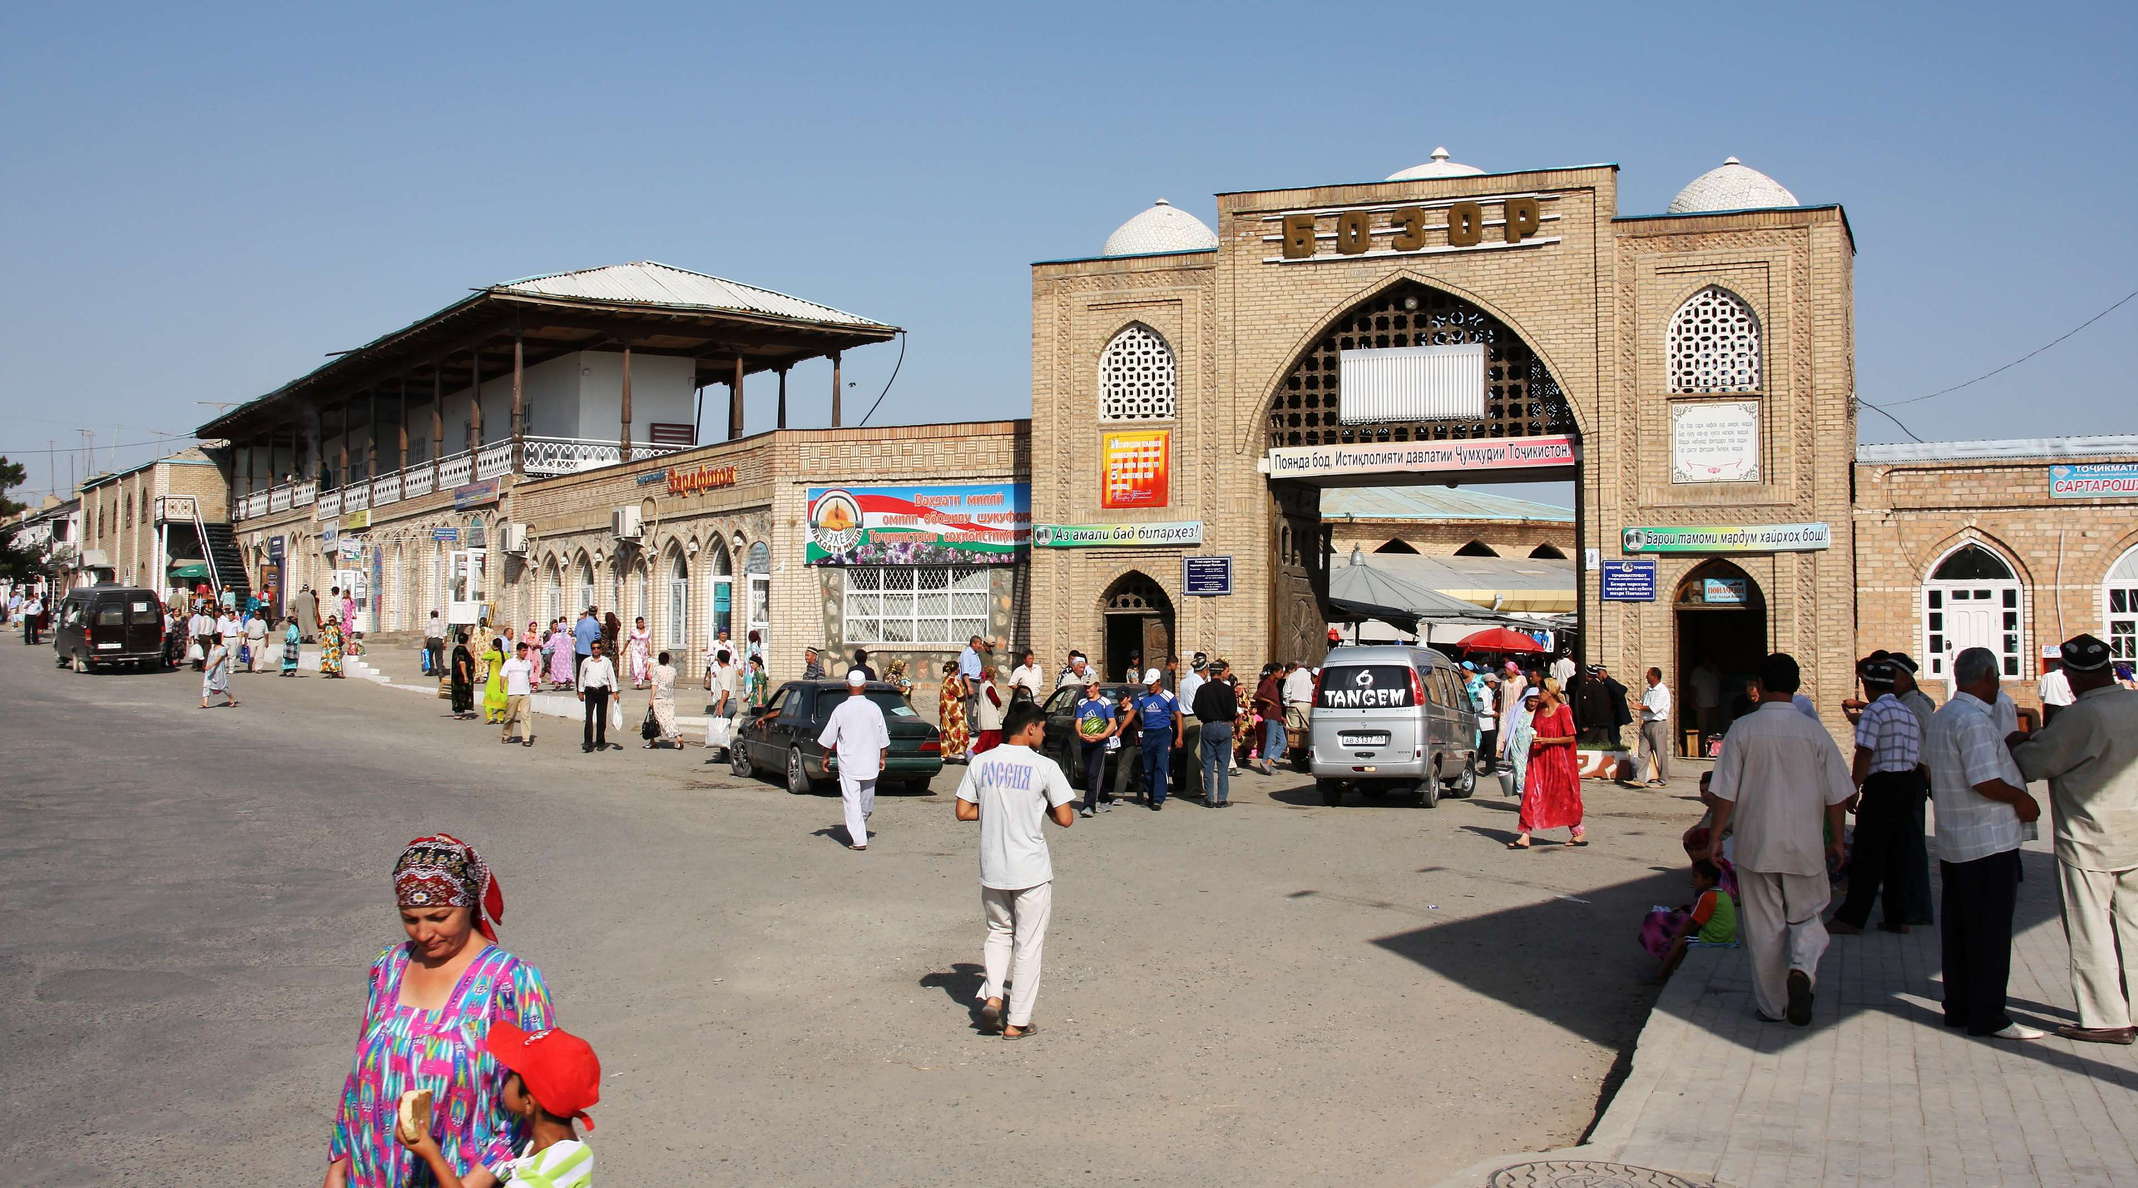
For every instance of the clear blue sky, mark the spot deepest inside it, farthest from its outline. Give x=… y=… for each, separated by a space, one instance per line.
x=201 y=201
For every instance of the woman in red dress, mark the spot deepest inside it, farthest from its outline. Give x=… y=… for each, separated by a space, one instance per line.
x=1551 y=795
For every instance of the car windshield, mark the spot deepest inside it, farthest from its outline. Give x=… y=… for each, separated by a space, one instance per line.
x=1365 y=686
x=892 y=705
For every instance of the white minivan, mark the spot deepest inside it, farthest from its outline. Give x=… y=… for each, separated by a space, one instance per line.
x=1392 y=719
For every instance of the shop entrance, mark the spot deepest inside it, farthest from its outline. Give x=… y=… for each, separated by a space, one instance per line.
x=1414 y=386
x=1722 y=637
x=1139 y=626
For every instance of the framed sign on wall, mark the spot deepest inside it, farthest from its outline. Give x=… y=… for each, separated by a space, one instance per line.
x=1135 y=468
x=1714 y=441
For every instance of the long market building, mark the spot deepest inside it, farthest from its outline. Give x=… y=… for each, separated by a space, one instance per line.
x=1195 y=392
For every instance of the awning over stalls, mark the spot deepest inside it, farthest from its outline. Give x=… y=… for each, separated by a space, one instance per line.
x=189 y=569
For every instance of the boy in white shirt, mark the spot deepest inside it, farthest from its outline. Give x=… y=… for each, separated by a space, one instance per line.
x=519 y=677
x=1009 y=790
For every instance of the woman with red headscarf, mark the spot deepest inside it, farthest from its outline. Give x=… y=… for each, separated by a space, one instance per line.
x=432 y=1001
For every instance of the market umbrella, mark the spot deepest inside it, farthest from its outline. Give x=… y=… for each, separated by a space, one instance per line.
x=1499 y=639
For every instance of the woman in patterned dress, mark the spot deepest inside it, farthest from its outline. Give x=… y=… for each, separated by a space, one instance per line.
x=957 y=736
x=292 y=637
x=637 y=651
x=430 y=1005
x=330 y=646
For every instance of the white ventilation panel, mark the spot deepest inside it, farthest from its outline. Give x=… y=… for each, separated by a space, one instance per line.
x=1422 y=383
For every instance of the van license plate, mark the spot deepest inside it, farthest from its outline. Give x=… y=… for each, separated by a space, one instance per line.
x=103 y=647
x=1361 y=739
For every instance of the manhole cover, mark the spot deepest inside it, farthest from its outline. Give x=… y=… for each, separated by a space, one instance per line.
x=1583 y=1173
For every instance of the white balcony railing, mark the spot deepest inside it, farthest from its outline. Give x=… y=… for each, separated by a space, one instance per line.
x=356 y=497
x=302 y=494
x=278 y=498
x=328 y=504
x=456 y=470
x=493 y=460
x=386 y=488
x=416 y=480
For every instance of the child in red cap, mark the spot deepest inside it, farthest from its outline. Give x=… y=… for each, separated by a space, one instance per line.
x=553 y=1076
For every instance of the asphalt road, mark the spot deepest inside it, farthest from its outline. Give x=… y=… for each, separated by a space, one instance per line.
x=1280 y=993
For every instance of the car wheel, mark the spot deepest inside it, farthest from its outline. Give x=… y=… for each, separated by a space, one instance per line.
x=1465 y=784
x=739 y=760
x=1429 y=789
x=1332 y=791
x=797 y=779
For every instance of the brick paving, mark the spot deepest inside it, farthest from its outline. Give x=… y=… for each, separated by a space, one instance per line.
x=1876 y=1090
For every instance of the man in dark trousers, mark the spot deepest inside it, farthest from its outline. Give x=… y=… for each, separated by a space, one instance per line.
x=1217 y=706
x=1614 y=695
x=1888 y=775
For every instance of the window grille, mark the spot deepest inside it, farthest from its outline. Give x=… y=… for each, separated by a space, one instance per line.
x=927 y=606
x=1136 y=377
x=1714 y=344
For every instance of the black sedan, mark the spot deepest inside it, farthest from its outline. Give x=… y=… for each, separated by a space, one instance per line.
x=782 y=736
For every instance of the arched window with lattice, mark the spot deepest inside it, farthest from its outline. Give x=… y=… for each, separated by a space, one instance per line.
x=1137 y=377
x=1714 y=344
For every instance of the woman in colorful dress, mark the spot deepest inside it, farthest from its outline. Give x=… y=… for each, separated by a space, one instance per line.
x=292 y=640
x=494 y=683
x=957 y=736
x=560 y=650
x=330 y=646
x=1551 y=791
x=430 y=1005
x=637 y=651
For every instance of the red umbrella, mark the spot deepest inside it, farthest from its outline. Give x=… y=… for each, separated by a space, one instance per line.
x=1499 y=639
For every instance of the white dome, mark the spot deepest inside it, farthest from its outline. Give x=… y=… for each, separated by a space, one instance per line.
x=1163 y=228
x=1731 y=185
x=1439 y=166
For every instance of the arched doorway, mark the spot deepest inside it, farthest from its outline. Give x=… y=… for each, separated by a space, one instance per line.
x=1139 y=625
x=1423 y=366
x=1972 y=600
x=1721 y=617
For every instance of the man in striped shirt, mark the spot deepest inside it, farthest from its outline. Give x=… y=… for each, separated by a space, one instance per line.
x=1888 y=776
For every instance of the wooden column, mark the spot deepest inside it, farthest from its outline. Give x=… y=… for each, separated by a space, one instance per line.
x=519 y=392
x=437 y=420
x=782 y=422
x=735 y=401
x=341 y=469
x=371 y=434
x=401 y=436
x=623 y=439
x=837 y=389
x=475 y=401
x=248 y=487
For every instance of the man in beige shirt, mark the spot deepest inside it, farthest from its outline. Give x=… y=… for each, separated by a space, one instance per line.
x=1781 y=782
x=2089 y=754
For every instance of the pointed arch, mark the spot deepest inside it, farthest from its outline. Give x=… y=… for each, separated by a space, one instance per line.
x=1396 y=546
x=1477 y=548
x=2119 y=606
x=1974 y=595
x=1138 y=376
x=1713 y=344
x=1547 y=552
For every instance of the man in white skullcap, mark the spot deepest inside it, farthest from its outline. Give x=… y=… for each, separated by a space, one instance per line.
x=861 y=739
x=2089 y=754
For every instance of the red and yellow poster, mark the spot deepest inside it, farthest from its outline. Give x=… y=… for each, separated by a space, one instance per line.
x=1135 y=468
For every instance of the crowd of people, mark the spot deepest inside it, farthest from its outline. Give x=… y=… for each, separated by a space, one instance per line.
x=1776 y=842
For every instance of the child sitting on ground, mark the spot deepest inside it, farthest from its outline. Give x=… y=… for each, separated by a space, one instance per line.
x=553 y=1076
x=1710 y=919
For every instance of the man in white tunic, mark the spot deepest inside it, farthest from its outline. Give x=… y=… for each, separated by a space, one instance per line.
x=2089 y=754
x=1779 y=779
x=858 y=735
x=1008 y=790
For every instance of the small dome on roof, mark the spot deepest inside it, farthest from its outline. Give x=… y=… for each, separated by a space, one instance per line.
x=1163 y=228
x=1732 y=185
x=1439 y=166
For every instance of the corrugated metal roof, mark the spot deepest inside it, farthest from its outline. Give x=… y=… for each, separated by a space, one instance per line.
x=1434 y=503
x=646 y=282
x=2107 y=445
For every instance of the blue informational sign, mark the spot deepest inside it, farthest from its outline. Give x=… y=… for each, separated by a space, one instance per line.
x=446 y=534
x=1628 y=581
x=1205 y=577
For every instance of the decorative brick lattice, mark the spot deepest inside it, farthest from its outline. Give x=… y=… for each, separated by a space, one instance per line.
x=1521 y=397
x=1137 y=377
x=1714 y=344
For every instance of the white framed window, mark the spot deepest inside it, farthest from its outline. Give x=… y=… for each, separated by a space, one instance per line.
x=586 y=586
x=555 y=582
x=2119 y=606
x=675 y=627
x=1973 y=599
x=924 y=606
x=1713 y=344
x=1136 y=377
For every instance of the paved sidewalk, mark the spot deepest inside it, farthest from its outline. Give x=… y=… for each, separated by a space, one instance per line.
x=1877 y=1090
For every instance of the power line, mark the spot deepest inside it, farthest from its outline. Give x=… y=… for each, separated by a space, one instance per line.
x=76 y=449
x=2014 y=363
